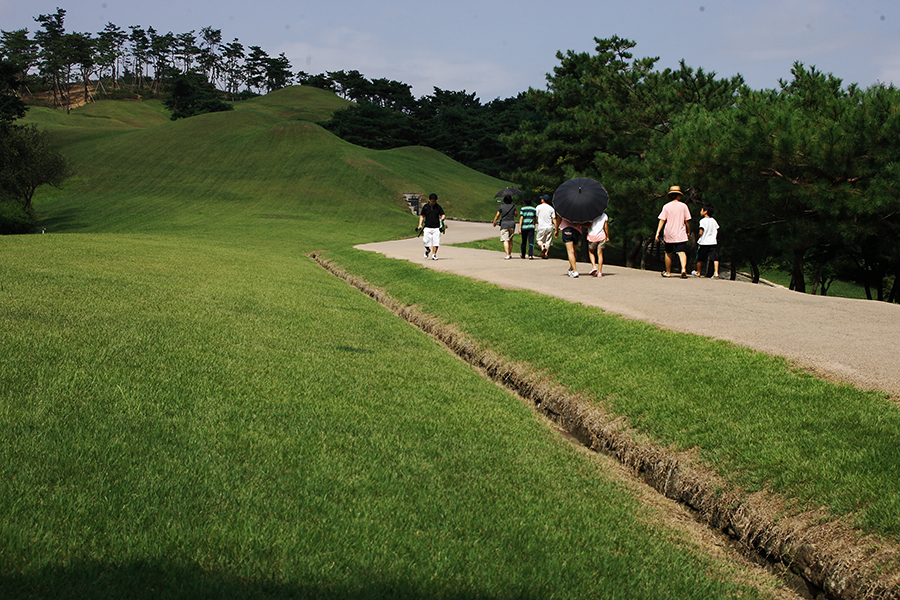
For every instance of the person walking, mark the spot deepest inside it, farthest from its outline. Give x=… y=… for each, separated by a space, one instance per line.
x=675 y=217
x=571 y=235
x=527 y=216
x=506 y=218
x=546 y=225
x=707 y=242
x=431 y=216
x=597 y=236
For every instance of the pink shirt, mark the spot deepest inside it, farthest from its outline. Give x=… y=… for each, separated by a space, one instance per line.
x=563 y=223
x=675 y=214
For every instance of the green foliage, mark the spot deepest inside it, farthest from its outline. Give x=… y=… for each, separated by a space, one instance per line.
x=458 y=125
x=603 y=112
x=11 y=106
x=808 y=172
x=804 y=174
x=28 y=160
x=454 y=123
x=14 y=219
x=265 y=72
x=373 y=126
x=192 y=95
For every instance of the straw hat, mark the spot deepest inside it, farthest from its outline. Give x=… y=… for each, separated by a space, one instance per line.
x=675 y=190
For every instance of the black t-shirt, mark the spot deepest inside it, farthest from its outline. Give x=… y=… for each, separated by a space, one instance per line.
x=432 y=215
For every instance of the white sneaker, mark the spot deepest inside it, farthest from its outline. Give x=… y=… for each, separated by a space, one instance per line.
x=573 y=274
x=434 y=257
x=427 y=252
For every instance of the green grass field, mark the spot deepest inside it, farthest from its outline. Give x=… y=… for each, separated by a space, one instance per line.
x=191 y=407
x=837 y=289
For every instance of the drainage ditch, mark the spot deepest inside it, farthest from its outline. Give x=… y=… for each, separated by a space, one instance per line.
x=832 y=559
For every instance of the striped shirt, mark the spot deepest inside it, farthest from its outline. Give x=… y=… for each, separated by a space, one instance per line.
x=528 y=215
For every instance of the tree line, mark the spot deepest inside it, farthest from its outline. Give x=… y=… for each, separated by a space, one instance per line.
x=385 y=115
x=141 y=59
x=803 y=177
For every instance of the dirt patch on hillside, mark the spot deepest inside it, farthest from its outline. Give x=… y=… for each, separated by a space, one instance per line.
x=828 y=555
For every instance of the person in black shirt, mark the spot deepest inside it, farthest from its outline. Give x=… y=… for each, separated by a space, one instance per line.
x=431 y=216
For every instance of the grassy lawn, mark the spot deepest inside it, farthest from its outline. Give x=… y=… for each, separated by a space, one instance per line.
x=207 y=418
x=189 y=406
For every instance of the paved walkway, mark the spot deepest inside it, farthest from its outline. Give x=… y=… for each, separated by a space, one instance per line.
x=857 y=341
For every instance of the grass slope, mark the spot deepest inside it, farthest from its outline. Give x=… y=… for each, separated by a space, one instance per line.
x=234 y=170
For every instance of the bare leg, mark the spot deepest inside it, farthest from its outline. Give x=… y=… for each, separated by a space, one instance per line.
x=570 y=250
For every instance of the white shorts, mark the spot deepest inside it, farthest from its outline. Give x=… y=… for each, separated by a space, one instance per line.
x=431 y=237
x=544 y=236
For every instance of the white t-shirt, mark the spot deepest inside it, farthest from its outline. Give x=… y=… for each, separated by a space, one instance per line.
x=545 y=216
x=710 y=232
x=596 y=233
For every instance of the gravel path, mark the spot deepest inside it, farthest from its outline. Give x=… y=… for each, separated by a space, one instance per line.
x=857 y=341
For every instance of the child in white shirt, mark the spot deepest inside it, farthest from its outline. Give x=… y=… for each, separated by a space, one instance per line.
x=707 y=243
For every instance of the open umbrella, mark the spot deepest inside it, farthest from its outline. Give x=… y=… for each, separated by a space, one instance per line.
x=580 y=200
x=507 y=192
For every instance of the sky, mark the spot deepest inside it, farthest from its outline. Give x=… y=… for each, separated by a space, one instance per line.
x=498 y=49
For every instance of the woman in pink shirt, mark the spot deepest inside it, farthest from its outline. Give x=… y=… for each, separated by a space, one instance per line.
x=675 y=217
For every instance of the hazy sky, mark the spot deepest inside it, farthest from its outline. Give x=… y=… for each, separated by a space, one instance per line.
x=498 y=49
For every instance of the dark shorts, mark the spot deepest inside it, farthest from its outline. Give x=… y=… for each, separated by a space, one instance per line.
x=570 y=234
x=707 y=253
x=677 y=247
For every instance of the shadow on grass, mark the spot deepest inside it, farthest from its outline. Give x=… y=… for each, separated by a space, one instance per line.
x=168 y=579
x=61 y=221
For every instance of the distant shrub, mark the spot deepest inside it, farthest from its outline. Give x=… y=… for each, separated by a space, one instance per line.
x=14 y=219
x=193 y=95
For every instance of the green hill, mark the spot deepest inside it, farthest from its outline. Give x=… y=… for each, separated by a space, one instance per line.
x=136 y=171
x=304 y=103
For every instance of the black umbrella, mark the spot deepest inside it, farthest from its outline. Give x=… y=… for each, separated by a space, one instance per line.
x=580 y=200
x=507 y=192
